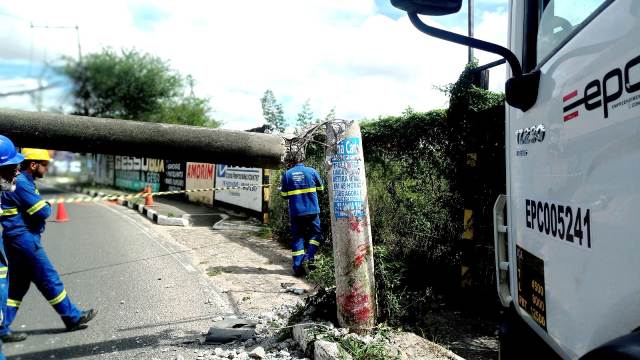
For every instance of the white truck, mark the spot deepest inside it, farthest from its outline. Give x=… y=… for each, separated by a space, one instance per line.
x=567 y=247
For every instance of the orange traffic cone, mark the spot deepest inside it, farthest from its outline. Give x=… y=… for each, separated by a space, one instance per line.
x=61 y=215
x=148 y=199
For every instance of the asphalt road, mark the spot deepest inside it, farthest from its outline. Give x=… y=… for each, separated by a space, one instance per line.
x=149 y=296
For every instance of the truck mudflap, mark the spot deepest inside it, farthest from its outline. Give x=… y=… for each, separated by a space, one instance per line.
x=502 y=251
x=623 y=348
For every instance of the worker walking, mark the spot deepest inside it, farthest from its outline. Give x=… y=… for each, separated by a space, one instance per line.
x=23 y=221
x=300 y=185
x=10 y=159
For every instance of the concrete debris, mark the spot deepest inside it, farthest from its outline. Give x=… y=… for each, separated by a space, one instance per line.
x=258 y=353
x=294 y=290
x=230 y=330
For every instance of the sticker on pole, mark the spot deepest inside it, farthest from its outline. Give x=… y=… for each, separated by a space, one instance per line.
x=347 y=178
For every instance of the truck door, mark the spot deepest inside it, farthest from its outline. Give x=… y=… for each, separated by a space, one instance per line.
x=574 y=175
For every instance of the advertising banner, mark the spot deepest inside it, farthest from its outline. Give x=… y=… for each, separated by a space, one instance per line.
x=174 y=176
x=200 y=176
x=232 y=176
x=135 y=173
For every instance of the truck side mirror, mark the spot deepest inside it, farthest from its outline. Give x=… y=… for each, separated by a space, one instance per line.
x=429 y=7
x=521 y=90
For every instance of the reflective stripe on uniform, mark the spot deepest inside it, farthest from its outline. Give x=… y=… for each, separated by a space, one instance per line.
x=320 y=188
x=58 y=298
x=299 y=191
x=34 y=209
x=13 y=303
x=3 y=272
x=297 y=253
x=314 y=242
x=9 y=212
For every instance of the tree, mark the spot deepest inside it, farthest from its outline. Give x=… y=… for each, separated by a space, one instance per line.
x=331 y=115
x=273 y=112
x=305 y=116
x=134 y=86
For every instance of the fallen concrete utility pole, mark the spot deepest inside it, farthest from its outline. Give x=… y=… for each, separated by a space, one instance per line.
x=350 y=228
x=133 y=138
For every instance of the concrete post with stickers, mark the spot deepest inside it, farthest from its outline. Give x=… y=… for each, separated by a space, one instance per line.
x=350 y=227
x=566 y=242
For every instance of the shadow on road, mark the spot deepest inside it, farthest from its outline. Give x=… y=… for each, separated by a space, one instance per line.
x=174 y=322
x=106 y=347
x=51 y=331
x=246 y=270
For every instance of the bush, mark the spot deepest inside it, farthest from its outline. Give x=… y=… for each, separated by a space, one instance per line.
x=418 y=178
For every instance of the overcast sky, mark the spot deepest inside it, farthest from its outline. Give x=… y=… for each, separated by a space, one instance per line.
x=362 y=57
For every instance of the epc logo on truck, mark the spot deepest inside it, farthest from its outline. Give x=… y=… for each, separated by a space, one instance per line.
x=597 y=93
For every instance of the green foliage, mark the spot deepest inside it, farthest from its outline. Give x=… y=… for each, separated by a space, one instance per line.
x=331 y=115
x=273 y=112
x=416 y=177
x=189 y=110
x=214 y=270
x=323 y=274
x=305 y=116
x=133 y=86
x=264 y=232
x=360 y=350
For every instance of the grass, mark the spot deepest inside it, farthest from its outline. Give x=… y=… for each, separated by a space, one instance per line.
x=359 y=350
x=323 y=274
x=214 y=271
x=264 y=232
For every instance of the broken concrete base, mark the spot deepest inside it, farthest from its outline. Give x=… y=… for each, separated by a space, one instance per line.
x=319 y=349
x=403 y=346
x=229 y=330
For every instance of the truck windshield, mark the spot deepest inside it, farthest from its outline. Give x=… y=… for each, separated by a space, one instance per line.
x=560 y=19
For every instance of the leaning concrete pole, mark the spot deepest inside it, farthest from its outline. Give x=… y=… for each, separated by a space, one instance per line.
x=134 y=138
x=350 y=228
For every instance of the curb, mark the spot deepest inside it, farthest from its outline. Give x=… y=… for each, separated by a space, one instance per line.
x=321 y=349
x=144 y=210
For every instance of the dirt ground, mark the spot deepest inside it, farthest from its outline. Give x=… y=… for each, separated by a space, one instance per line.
x=471 y=337
x=231 y=259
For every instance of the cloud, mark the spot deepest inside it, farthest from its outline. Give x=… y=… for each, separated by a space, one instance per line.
x=338 y=53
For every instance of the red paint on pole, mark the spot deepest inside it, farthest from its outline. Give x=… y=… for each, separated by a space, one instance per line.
x=356 y=304
x=354 y=224
x=362 y=252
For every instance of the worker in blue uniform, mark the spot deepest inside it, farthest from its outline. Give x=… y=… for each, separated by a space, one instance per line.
x=23 y=221
x=10 y=159
x=300 y=186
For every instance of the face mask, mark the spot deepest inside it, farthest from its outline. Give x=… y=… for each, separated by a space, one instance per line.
x=7 y=185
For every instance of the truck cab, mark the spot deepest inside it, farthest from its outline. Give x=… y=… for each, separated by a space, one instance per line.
x=566 y=241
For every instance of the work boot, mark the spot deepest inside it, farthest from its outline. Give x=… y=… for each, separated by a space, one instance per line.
x=311 y=265
x=301 y=271
x=13 y=337
x=305 y=267
x=87 y=315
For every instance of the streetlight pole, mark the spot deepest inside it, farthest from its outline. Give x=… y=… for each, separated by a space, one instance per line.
x=470 y=27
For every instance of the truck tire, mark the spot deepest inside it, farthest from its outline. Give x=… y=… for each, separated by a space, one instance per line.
x=623 y=348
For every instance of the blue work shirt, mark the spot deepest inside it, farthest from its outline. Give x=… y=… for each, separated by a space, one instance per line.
x=300 y=185
x=23 y=210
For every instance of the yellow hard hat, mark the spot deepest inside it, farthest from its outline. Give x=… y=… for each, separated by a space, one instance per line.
x=36 y=154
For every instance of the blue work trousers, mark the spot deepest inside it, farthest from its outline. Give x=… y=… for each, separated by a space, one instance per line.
x=4 y=292
x=30 y=263
x=305 y=228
